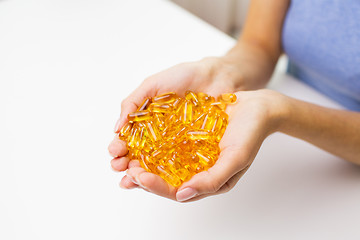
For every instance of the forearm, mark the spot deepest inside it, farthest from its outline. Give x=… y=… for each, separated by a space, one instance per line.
x=336 y=131
x=259 y=45
x=254 y=64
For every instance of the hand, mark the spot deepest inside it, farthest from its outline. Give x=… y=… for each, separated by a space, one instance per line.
x=211 y=75
x=256 y=115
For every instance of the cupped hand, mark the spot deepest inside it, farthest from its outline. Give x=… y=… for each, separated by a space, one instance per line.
x=212 y=75
x=256 y=115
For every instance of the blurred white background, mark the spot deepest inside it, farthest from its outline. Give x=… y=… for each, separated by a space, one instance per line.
x=226 y=15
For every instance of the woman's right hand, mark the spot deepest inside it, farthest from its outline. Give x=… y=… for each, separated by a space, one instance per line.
x=211 y=75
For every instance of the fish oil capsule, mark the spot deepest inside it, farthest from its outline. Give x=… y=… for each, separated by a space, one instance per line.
x=187 y=112
x=134 y=137
x=159 y=120
x=139 y=116
x=220 y=105
x=205 y=99
x=168 y=176
x=208 y=121
x=189 y=95
x=177 y=103
x=160 y=108
x=145 y=104
x=198 y=134
x=165 y=98
x=227 y=98
x=141 y=139
x=205 y=159
x=152 y=131
x=125 y=131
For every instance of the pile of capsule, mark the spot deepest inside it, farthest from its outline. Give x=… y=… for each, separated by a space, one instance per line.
x=176 y=137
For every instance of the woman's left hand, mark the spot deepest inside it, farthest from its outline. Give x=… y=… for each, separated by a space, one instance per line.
x=255 y=116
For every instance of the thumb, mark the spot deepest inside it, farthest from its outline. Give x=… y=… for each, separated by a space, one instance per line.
x=210 y=181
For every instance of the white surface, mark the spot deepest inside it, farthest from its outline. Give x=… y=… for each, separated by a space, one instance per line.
x=64 y=68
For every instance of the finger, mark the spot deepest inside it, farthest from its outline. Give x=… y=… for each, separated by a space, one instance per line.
x=133 y=101
x=134 y=163
x=127 y=183
x=117 y=147
x=224 y=188
x=210 y=181
x=151 y=182
x=120 y=164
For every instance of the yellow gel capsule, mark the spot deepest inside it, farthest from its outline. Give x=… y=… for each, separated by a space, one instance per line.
x=183 y=174
x=198 y=135
x=165 y=98
x=125 y=131
x=141 y=139
x=187 y=112
x=159 y=120
x=205 y=159
x=145 y=104
x=205 y=99
x=139 y=116
x=177 y=103
x=168 y=176
x=160 y=108
x=208 y=121
x=152 y=131
x=227 y=98
x=220 y=105
x=189 y=95
x=133 y=137
x=222 y=129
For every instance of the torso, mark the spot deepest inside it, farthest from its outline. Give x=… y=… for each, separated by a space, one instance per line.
x=322 y=40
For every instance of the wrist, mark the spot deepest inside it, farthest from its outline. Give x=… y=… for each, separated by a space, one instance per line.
x=278 y=110
x=223 y=69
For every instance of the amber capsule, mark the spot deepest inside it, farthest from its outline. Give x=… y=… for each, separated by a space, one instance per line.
x=205 y=99
x=220 y=105
x=139 y=116
x=177 y=103
x=133 y=137
x=183 y=174
x=145 y=104
x=189 y=95
x=160 y=108
x=227 y=98
x=208 y=121
x=197 y=123
x=187 y=112
x=125 y=131
x=198 y=135
x=221 y=128
x=205 y=159
x=159 y=120
x=165 y=98
x=168 y=176
x=152 y=131
x=141 y=138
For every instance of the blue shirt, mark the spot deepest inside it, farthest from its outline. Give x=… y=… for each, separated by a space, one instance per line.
x=322 y=41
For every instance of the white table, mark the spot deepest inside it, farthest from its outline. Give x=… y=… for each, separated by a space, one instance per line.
x=64 y=68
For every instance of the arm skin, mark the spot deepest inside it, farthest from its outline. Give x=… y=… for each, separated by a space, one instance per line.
x=336 y=131
x=259 y=47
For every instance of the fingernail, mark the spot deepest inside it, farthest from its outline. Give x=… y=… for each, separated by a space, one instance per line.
x=117 y=125
x=186 y=194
